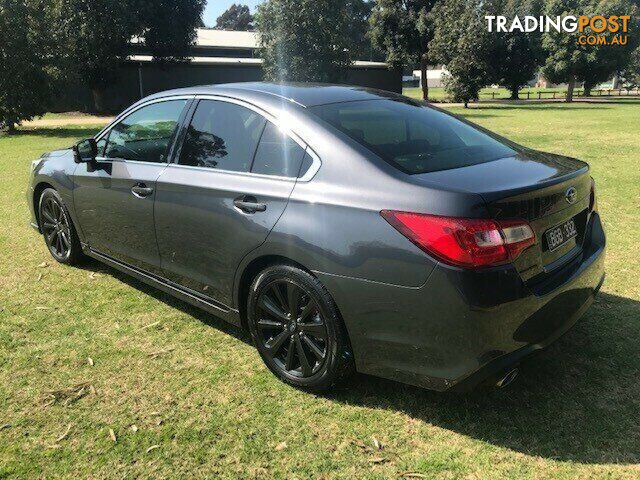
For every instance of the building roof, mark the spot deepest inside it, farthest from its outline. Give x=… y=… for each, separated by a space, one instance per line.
x=209 y=37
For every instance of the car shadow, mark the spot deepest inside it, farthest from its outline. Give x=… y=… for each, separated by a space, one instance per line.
x=577 y=401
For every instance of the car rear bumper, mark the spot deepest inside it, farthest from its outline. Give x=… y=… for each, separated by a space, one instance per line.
x=461 y=327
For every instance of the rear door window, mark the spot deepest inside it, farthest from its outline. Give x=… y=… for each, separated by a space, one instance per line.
x=277 y=154
x=222 y=136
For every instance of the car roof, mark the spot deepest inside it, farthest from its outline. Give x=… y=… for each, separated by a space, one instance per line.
x=303 y=94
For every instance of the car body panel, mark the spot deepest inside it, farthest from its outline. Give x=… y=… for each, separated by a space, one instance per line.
x=202 y=236
x=114 y=221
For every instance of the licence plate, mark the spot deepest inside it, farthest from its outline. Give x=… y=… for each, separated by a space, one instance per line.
x=558 y=236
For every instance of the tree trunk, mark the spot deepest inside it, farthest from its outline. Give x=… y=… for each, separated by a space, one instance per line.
x=587 y=89
x=424 y=65
x=11 y=127
x=570 y=87
x=514 y=92
x=98 y=99
x=466 y=104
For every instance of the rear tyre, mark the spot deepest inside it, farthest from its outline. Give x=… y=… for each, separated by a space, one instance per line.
x=296 y=327
x=58 y=230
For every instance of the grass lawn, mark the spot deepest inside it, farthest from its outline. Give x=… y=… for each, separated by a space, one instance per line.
x=172 y=392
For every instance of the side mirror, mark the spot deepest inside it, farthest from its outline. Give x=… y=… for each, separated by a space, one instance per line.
x=85 y=150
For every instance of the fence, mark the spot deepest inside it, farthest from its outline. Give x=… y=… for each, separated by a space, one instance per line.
x=610 y=92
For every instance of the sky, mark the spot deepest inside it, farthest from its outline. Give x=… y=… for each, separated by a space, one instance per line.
x=215 y=7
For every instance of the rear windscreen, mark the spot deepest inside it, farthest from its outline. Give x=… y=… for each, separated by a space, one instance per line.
x=413 y=137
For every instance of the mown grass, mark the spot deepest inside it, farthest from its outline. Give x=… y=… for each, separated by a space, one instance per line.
x=196 y=389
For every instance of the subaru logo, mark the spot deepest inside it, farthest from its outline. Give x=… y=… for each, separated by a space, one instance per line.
x=571 y=195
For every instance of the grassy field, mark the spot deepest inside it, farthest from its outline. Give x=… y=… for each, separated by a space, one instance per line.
x=103 y=377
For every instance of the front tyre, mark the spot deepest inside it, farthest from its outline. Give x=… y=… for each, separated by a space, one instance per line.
x=297 y=329
x=57 y=229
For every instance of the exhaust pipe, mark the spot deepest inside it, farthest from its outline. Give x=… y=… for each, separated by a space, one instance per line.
x=509 y=377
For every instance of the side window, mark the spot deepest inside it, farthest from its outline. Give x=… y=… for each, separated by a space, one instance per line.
x=277 y=154
x=145 y=135
x=223 y=136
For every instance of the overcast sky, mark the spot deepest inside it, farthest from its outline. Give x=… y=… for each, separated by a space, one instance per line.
x=215 y=7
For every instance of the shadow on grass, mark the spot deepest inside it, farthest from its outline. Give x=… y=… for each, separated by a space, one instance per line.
x=577 y=401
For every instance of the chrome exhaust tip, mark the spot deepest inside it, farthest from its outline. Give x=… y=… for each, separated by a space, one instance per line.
x=509 y=377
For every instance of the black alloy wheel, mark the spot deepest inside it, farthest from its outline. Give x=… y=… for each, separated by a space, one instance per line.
x=57 y=228
x=291 y=329
x=296 y=328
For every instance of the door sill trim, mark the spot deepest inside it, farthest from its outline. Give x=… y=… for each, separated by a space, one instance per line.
x=228 y=314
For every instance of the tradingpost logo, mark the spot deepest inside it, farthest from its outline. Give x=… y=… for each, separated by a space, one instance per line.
x=592 y=29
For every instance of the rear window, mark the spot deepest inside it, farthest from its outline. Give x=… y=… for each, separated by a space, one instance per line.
x=412 y=137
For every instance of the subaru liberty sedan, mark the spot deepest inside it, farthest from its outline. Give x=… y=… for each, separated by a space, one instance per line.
x=346 y=229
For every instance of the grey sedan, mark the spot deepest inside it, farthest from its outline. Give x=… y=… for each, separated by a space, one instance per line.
x=347 y=229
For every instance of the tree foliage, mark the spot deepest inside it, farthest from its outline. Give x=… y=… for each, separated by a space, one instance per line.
x=27 y=72
x=305 y=40
x=516 y=56
x=96 y=35
x=462 y=43
x=630 y=75
x=403 y=29
x=236 y=17
x=569 y=62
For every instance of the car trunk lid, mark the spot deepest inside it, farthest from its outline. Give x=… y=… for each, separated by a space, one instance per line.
x=544 y=189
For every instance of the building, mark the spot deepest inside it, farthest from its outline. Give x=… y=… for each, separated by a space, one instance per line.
x=218 y=56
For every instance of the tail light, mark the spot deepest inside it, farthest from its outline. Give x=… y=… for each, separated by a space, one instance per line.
x=465 y=242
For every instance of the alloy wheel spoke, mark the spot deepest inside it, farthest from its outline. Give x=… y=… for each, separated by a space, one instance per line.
x=266 y=323
x=317 y=330
x=65 y=240
x=51 y=236
x=288 y=364
x=48 y=225
x=270 y=307
x=59 y=243
x=302 y=356
x=313 y=347
x=275 y=344
x=47 y=215
x=293 y=299
x=307 y=310
x=275 y=288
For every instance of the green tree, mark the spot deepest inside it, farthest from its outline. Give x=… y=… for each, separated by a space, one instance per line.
x=516 y=56
x=402 y=29
x=570 y=62
x=169 y=27
x=630 y=75
x=462 y=42
x=26 y=70
x=305 y=40
x=236 y=17
x=96 y=35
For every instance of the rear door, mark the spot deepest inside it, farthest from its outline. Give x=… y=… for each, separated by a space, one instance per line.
x=114 y=195
x=226 y=190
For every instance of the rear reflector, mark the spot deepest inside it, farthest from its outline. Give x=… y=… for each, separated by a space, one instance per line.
x=465 y=242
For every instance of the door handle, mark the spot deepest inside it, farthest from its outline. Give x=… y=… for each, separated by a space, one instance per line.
x=249 y=204
x=140 y=190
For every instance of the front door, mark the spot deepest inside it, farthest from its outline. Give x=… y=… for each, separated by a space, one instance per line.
x=114 y=195
x=221 y=199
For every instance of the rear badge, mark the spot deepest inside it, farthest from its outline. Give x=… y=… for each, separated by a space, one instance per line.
x=571 y=195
